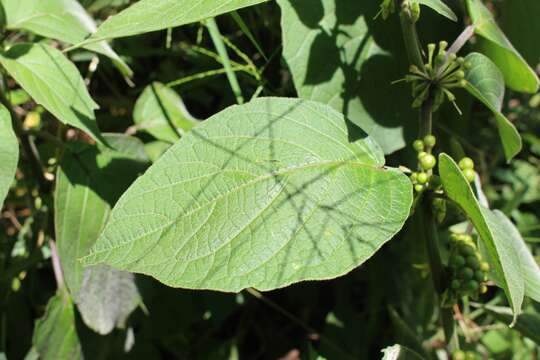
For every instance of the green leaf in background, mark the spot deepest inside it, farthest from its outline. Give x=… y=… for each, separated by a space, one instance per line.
x=334 y=60
x=504 y=259
x=55 y=336
x=517 y=73
x=440 y=7
x=9 y=153
x=89 y=181
x=155 y=149
x=54 y=82
x=486 y=83
x=399 y=352
x=527 y=323
x=521 y=27
x=161 y=112
x=260 y=195
x=64 y=20
x=106 y=298
x=152 y=15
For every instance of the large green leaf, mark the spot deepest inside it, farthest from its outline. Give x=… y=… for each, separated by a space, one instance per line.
x=89 y=181
x=260 y=195
x=65 y=20
x=517 y=73
x=518 y=20
x=55 y=336
x=54 y=82
x=502 y=253
x=152 y=15
x=9 y=153
x=335 y=60
x=440 y=7
x=486 y=83
x=161 y=112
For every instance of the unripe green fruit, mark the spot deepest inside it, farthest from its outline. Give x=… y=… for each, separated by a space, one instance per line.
x=418 y=145
x=428 y=162
x=466 y=163
x=457 y=260
x=422 y=178
x=418 y=188
x=473 y=262
x=479 y=275
x=460 y=74
x=466 y=273
x=414 y=177
x=483 y=289
x=440 y=59
x=458 y=355
x=469 y=174
x=430 y=140
x=455 y=284
x=484 y=266
x=472 y=285
x=466 y=250
x=421 y=154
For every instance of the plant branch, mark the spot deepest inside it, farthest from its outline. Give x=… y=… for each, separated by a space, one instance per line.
x=410 y=36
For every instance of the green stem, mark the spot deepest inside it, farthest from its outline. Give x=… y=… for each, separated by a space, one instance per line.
x=222 y=51
x=410 y=36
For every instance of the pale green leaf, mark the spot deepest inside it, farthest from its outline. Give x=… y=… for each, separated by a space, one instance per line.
x=161 y=112
x=155 y=149
x=260 y=195
x=55 y=335
x=106 y=298
x=334 y=59
x=64 y=20
x=440 y=7
x=152 y=15
x=517 y=73
x=54 y=82
x=502 y=254
x=528 y=323
x=486 y=83
x=9 y=153
x=89 y=181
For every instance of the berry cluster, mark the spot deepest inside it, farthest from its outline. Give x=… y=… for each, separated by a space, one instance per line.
x=426 y=162
x=465 y=355
x=467 y=166
x=468 y=273
x=442 y=72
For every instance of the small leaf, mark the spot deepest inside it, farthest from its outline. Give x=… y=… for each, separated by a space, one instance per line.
x=64 y=20
x=161 y=112
x=486 y=83
x=55 y=336
x=152 y=15
x=260 y=195
x=527 y=323
x=9 y=153
x=334 y=59
x=502 y=255
x=88 y=184
x=54 y=82
x=517 y=73
x=106 y=298
x=440 y=7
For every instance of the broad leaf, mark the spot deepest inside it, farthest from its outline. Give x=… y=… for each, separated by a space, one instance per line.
x=486 y=83
x=55 y=336
x=89 y=181
x=517 y=73
x=106 y=298
x=502 y=255
x=155 y=149
x=440 y=7
x=161 y=112
x=9 y=153
x=152 y=15
x=65 y=20
x=528 y=323
x=54 y=82
x=335 y=60
x=260 y=195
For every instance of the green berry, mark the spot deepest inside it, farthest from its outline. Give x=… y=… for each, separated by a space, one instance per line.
x=458 y=355
x=422 y=178
x=457 y=260
x=480 y=276
x=466 y=250
x=484 y=266
x=430 y=140
x=472 y=285
x=466 y=273
x=455 y=284
x=460 y=74
x=414 y=177
x=418 y=188
x=469 y=174
x=483 y=288
x=418 y=145
x=473 y=262
x=421 y=154
x=428 y=161
x=466 y=163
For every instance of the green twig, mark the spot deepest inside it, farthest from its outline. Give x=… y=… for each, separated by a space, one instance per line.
x=222 y=51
